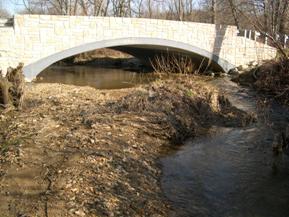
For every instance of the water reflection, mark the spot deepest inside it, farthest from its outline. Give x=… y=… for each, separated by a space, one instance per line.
x=97 y=77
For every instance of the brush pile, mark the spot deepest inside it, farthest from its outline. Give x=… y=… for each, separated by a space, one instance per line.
x=12 y=88
x=270 y=78
x=273 y=78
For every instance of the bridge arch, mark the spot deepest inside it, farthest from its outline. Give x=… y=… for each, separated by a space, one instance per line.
x=33 y=69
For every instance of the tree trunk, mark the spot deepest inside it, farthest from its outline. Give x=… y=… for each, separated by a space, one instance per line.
x=150 y=8
x=4 y=97
x=213 y=12
x=234 y=13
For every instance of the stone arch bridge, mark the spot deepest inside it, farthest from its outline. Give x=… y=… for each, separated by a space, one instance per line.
x=41 y=40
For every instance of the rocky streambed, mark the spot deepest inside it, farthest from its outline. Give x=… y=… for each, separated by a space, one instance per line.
x=78 y=151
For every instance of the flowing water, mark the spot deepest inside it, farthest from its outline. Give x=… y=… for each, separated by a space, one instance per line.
x=97 y=77
x=232 y=172
x=229 y=173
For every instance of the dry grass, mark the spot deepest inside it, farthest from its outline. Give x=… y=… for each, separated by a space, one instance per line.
x=173 y=63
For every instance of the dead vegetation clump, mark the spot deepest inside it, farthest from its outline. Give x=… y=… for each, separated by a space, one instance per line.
x=90 y=152
x=173 y=63
x=270 y=78
x=273 y=78
x=184 y=107
x=12 y=88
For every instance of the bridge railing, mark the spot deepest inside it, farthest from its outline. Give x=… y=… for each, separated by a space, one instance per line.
x=6 y=22
x=262 y=38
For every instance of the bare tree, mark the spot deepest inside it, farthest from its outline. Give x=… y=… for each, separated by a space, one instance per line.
x=234 y=13
x=3 y=12
x=270 y=15
x=267 y=17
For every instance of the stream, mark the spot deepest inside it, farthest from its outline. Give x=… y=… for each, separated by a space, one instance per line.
x=99 y=77
x=229 y=173
x=232 y=171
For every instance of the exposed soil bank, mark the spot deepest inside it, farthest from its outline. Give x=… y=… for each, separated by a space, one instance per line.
x=77 y=151
x=104 y=53
x=108 y=58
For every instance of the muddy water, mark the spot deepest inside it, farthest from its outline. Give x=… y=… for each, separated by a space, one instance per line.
x=94 y=76
x=232 y=172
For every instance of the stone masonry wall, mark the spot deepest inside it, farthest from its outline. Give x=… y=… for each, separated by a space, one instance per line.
x=34 y=37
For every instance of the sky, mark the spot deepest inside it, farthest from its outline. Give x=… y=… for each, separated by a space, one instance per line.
x=12 y=6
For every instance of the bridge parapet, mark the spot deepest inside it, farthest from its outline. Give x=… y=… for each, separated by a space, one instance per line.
x=282 y=39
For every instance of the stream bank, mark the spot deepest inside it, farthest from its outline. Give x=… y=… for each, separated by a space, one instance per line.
x=232 y=171
x=78 y=151
x=270 y=78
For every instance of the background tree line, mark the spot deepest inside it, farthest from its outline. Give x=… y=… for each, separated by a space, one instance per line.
x=271 y=16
